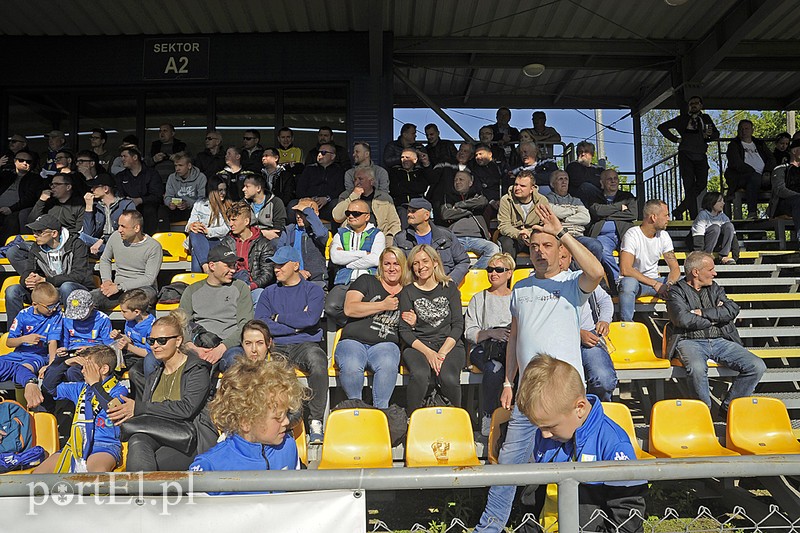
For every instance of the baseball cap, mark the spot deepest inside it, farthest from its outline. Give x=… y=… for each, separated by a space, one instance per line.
x=419 y=203
x=100 y=180
x=45 y=222
x=223 y=254
x=79 y=305
x=284 y=254
x=794 y=144
x=18 y=137
x=56 y=133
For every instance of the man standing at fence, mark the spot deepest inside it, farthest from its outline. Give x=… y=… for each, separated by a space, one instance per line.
x=695 y=129
x=545 y=310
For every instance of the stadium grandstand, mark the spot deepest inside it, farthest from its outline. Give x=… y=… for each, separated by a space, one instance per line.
x=234 y=164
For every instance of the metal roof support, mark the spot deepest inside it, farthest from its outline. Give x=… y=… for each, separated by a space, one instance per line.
x=638 y=160
x=376 y=39
x=434 y=107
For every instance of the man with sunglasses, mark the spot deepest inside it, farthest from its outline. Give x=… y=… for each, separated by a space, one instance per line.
x=322 y=181
x=382 y=212
x=58 y=256
x=212 y=159
x=325 y=136
x=251 y=151
x=355 y=250
x=15 y=143
x=19 y=190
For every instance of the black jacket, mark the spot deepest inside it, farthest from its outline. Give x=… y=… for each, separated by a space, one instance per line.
x=317 y=180
x=75 y=260
x=682 y=298
x=157 y=147
x=147 y=185
x=736 y=163
x=493 y=178
x=262 y=270
x=602 y=211
x=463 y=215
x=208 y=163
x=252 y=162
x=70 y=213
x=691 y=140
x=30 y=187
x=342 y=157
x=407 y=184
x=283 y=182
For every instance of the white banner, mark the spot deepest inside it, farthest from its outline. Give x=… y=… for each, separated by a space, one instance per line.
x=340 y=511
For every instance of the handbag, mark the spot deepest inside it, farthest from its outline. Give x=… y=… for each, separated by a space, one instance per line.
x=493 y=349
x=178 y=434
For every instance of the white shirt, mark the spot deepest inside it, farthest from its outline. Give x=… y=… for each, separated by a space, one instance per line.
x=646 y=252
x=752 y=157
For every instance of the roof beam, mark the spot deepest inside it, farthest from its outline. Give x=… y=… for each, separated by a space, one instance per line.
x=723 y=37
x=792 y=102
x=528 y=46
x=578 y=61
x=518 y=101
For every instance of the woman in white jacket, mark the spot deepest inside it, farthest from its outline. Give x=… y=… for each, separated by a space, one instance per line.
x=207 y=223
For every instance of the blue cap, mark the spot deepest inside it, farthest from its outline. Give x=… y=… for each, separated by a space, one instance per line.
x=284 y=254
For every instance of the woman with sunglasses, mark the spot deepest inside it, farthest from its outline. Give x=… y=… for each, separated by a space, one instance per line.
x=207 y=225
x=369 y=339
x=431 y=327
x=486 y=327
x=177 y=391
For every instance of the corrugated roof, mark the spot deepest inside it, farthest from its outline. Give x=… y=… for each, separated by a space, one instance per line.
x=471 y=51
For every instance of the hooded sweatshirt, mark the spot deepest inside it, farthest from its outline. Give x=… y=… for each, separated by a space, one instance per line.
x=104 y=219
x=189 y=189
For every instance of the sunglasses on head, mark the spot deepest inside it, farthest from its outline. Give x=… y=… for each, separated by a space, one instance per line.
x=498 y=270
x=160 y=340
x=354 y=214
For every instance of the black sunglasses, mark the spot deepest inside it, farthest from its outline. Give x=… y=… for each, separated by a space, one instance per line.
x=325 y=152
x=354 y=214
x=248 y=138
x=20 y=160
x=499 y=270
x=160 y=340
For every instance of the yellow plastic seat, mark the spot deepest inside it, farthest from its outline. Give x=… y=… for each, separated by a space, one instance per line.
x=440 y=436
x=548 y=518
x=189 y=277
x=328 y=246
x=356 y=438
x=8 y=282
x=4 y=349
x=500 y=416
x=619 y=413
x=683 y=428
x=760 y=426
x=520 y=274
x=121 y=467
x=172 y=243
x=299 y=434
x=632 y=347
x=474 y=282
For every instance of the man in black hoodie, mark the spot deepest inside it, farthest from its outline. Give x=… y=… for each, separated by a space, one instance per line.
x=58 y=256
x=141 y=184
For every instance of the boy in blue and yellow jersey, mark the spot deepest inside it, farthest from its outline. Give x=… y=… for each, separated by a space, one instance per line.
x=35 y=332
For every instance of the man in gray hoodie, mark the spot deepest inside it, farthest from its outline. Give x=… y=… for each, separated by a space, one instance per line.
x=184 y=187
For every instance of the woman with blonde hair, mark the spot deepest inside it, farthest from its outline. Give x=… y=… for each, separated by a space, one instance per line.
x=207 y=225
x=165 y=425
x=431 y=327
x=370 y=338
x=487 y=326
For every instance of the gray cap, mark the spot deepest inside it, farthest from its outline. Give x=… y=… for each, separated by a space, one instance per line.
x=79 y=305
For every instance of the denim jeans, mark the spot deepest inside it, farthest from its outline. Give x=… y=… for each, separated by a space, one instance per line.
x=494 y=374
x=593 y=245
x=601 y=378
x=199 y=245
x=517 y=449
x=89 y=240
x=353 y=357
x=18 y=295
x=485 y=250
x=694 y=354
x=629 y=290
x=610 y=241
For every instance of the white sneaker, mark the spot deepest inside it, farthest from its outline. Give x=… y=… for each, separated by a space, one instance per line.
x=315 y=435
x=486 y=425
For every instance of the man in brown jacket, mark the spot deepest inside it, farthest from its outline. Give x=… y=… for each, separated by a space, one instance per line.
x=516 y=215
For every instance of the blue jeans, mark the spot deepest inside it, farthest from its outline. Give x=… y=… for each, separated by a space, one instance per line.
x=517 y=449
x=494 y=374
x=694 y=354
x=89 y=240
x=255 y=294
x=18 y=295
x=199 y=245
x=229 y=357
x=353 y=357
x=601 y=378
x=610 y=241
x=485 y=250
x=593 y=245
x=629 y=290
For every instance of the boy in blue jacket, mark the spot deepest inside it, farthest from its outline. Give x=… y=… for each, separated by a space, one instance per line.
x=35 y=332
x=572 y=427
x=251 y=407
x=94 y=443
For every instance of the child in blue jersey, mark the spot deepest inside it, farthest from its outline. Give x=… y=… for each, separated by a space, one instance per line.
x=35 y=332
x=571 y=427
x=94 y=443
x=83 y=324
x=251 y=408
x=135 y=305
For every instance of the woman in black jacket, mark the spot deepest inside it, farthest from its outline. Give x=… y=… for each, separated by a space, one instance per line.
x=177 y=392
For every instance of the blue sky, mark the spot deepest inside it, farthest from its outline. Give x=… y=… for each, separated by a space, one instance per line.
x=574 y=125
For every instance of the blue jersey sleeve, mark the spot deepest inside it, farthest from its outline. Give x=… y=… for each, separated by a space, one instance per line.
x=56 y=328
x=69 y=390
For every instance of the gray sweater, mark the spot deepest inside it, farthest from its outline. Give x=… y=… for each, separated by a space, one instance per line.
x=223 y=310
x=496 y=314
x=137 y=264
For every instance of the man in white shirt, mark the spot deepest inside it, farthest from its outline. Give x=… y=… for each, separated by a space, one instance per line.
x=641 y=249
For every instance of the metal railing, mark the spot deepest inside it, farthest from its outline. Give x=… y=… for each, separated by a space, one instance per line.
x=567 y=475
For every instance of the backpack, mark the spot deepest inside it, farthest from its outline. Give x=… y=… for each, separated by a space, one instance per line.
x=17 y=423
x=23 y=460
x=171 y=294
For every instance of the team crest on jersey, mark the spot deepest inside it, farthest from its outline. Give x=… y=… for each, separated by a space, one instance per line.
x=588 y=458
x=28 y=329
